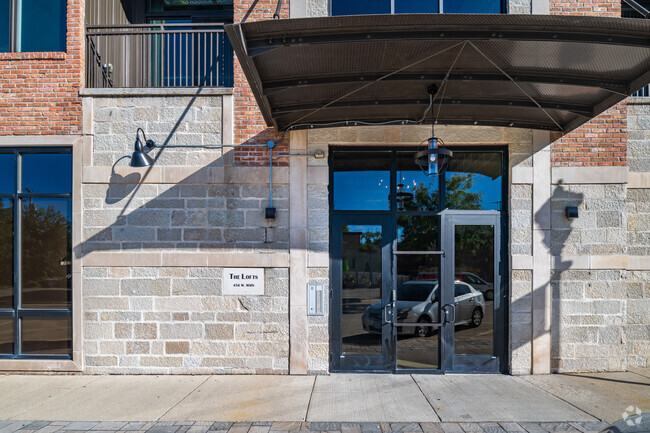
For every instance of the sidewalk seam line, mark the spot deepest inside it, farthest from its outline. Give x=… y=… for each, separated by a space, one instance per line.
x=560 y=398
x=426 y=398
x=313 y=387
x=182 y=399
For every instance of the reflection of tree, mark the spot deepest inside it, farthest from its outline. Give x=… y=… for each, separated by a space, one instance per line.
x=458 y=195
x=6 y=252
x=475 y=250
x=421 y=233
x=46 y=243
x=361 y=257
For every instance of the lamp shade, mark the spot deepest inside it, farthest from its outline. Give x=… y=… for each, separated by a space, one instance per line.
x=140 y=157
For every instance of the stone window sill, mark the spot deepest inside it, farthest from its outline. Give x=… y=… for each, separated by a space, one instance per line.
x=33 y=56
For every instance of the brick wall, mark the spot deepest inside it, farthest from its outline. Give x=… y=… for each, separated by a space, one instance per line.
x=39 y=92
x=611 y=8
x=603 y=140
x=250 y=127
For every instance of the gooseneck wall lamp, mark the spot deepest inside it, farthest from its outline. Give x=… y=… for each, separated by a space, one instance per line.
x=140 y=157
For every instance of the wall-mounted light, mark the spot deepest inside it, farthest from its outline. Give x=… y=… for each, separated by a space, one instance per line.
x=140 y=157
x=571 y=212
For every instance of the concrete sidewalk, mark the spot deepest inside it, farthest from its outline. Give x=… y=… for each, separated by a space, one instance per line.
x=353 y=398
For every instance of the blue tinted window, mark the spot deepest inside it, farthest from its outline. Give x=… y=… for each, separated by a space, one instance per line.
x=473 y=181
x=47 y=173
x=4 y=26
x=361 y=180
x=7 y=173
x=416 y=6
x=41 y=25
x=472 y=7
x=360 y=7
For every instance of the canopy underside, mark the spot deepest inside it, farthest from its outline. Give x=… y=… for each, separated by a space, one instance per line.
x=528 y=71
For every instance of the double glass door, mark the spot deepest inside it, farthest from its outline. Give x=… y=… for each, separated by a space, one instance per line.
x=417 y=293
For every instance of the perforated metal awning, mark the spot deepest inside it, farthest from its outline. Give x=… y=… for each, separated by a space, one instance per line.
x=528 y=71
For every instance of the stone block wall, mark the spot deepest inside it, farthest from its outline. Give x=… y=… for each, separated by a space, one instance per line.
x=161 y=320
x=318 y=232
x=637 y=328
x=156 y=240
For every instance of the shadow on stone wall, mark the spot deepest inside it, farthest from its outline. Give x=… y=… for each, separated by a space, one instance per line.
x=554 y=241
x=193 y=215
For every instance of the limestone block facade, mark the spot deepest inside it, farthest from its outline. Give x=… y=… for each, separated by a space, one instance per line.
x=151 y=245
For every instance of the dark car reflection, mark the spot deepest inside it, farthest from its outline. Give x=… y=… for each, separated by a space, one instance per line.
x=417 y=302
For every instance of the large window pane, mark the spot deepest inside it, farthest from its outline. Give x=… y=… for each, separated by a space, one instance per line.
x=416 y=191
x=360 y=7
x=361 y=180
x=4 y=26
x=417 y=310
x=6 y=254
x=50 y=336
x=416 y=6
x=362 y=269
x=46 y=253
x=417 y=233
x=6 y=335
x=47 y=173
x=474 y=181
x=472 y=7
x=7 y=173
x=474 y=265
x=41 y=25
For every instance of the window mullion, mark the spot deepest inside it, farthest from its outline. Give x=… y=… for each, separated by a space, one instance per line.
x=12 y=26
x=17 y=255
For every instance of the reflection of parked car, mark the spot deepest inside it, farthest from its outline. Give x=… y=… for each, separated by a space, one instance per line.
x=467 y=277
x=417 y=302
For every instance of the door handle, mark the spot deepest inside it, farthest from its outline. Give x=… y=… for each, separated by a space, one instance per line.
x=447 y=309
x=388 y=313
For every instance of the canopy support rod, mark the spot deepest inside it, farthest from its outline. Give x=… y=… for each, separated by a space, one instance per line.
x=276 y=15
x=637 y=7
x=377 y=80
x=444 y=81
x=516 y=84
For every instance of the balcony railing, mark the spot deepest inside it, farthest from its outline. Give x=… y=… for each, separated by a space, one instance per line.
x=158 y=55
x=643 y=91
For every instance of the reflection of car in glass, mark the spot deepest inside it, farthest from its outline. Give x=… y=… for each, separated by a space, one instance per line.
x=467 y=277
x=417 y=302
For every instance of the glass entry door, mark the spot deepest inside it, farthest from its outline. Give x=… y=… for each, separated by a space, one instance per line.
x=473 y=334
x=361 y=299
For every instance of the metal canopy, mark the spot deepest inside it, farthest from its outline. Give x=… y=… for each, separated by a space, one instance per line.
x=527 y=71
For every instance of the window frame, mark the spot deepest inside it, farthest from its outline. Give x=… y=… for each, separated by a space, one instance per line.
x=17 y=311
x=505 y=7
x=13 y=21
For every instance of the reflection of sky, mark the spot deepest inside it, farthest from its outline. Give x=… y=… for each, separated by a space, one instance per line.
x=489 y=189
x=357 y=7
x=62 y=205
x=361 y=190
x=363 y=229
x=47 y=173
x=7 y=173
x=369 y=190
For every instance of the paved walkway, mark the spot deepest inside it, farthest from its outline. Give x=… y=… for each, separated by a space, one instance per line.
x=286 y=427
x=345 y=403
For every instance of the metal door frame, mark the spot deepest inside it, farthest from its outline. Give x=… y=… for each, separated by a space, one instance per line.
x=339 y=361
x=449 y=361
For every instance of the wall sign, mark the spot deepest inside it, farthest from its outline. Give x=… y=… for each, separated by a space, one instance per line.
x=243 y=281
